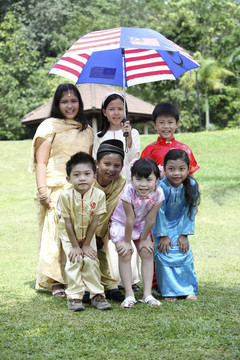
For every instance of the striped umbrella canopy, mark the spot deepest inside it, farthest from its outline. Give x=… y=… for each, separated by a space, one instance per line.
x=123 y=57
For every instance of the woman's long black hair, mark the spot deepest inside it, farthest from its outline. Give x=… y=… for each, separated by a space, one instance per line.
x=105 y=122
x=55 y=111
x=176 y=154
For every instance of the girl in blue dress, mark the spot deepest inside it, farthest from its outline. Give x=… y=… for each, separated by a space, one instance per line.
x=175 y=220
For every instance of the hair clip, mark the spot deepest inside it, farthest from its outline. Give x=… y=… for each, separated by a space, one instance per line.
x=109 y=94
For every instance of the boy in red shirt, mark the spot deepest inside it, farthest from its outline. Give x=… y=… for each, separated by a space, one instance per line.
x=165 y=121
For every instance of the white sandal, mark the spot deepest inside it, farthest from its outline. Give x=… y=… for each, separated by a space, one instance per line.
x=58 y=292
x=151 y=298
x=128 y=302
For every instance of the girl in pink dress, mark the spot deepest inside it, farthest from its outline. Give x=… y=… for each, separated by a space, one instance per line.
x=132 y=219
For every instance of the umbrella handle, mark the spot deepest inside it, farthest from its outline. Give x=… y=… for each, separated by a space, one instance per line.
x=125 y=134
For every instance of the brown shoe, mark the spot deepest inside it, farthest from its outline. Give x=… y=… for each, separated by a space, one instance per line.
x=100 y=303
x=75 y=305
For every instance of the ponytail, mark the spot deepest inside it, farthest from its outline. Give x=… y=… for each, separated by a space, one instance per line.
x=191 y=197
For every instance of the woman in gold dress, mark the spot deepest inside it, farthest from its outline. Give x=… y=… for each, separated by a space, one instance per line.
x=56 y=140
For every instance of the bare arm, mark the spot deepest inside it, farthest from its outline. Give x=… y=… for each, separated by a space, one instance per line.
x=76 y=251
x=43 y=148
x=150 y=221
x=130 y=220
x=145 y=241
x=125 y=246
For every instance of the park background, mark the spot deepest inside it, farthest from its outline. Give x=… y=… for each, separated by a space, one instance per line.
x=35 y=34
x=35 y=325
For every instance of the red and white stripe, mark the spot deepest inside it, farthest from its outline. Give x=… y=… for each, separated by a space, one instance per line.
x=97 y=41
x=144 y=66
x=70 y=66
x=73 y=61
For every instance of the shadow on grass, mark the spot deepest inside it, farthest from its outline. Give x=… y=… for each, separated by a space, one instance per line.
x=219 y=193
x=31 y=284
x=40 y=326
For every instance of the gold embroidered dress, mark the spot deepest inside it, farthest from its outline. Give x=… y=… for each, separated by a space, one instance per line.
x=66 y=139
x=112 y=193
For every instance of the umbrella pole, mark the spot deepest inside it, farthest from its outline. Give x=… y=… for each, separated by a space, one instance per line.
x=124 y=83
x=125 y=134
x=123 y=66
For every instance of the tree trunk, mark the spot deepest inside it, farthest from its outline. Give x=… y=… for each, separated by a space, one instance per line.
x=207 y=113
x=145 y=128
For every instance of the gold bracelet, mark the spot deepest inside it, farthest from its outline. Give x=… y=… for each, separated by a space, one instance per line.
x=41 y=186
x=43 y=196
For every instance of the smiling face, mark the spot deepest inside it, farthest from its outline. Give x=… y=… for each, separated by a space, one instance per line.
x=144 y=186
x=108 y=168
x=69 y=105
x=166 y=126
x=82 y=177
x=114 y=113
x=176 y=171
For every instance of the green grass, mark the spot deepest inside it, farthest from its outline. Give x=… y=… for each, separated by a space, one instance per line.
x=35 y=325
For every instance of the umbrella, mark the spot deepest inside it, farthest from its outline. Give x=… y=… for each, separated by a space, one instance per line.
x=123 y=57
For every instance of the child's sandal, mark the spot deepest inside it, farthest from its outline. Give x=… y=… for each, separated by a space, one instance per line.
x=169 y=299
x=128 y=302
x=191 y=297
x=151 y=301
x=58 y=290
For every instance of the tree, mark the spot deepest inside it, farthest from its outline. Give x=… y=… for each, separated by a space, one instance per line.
x=211 y=78
x=45 y=30
x=16 y=64
x=40 y=20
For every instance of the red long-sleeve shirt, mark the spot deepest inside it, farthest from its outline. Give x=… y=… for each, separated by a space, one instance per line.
x=158 y=149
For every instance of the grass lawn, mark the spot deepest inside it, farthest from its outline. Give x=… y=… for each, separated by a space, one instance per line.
x=35 y=325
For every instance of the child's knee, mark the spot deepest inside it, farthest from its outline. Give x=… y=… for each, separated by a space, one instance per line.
x=145 y=254
x=76 y=266
x=125 y=258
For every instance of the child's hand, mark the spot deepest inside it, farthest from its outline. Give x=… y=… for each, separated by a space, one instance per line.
x=126 y=127
x=75 y=254
x=147 y=244
x=183 y=243
x=46 y=202
x=89 y=251
x=123 y=248
x=164 y=243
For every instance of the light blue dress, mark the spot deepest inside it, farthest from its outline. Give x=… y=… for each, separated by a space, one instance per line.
x=175 y=271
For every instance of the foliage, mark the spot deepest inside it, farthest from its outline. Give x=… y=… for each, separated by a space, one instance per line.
x=35 y=325
x=16 y=64
x=212 y=79
x=40 y=21
x=40 y=32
